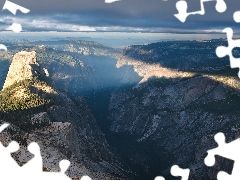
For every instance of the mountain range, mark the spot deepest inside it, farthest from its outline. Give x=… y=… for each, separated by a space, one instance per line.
x=126 y=113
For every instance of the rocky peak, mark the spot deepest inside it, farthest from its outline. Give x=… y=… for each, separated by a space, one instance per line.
x=23 y=66
x=33 y=106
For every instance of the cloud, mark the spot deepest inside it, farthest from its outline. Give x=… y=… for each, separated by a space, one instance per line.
x=124 y=15
x=77 y=23
x=42 y=24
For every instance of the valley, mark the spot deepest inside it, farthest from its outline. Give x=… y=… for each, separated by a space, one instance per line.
x=142 y=108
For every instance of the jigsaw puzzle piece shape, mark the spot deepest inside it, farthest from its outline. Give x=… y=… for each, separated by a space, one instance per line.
x=236 y=16
x=54 y=175
x=7 y=164
x=64 y=165
x=15 y=27
x=222 y=51
x=12 y=7
x=3 y=47
x=33 y=168
x=159 y=178
x=182 y=11
x=4 y=125
x=182 y=7
x=86 y=178
x=210 y=159
x=226 y=150
x=223 y=176
x=177 y=171
x=221 y=6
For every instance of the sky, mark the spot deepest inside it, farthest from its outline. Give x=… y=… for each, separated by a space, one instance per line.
x=122 y=16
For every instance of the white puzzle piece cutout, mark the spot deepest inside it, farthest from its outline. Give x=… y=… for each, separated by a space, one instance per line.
x=182 y=9
x=236 y=16
x=177 y=171
x=223 y=51
x=33 y=169
x=12 y=7
x=227 y=150
x=15 y=27
x=3 y=47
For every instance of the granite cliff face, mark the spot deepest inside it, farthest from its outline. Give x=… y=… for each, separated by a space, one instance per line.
x=148 y=70
x=172 y=115
x=63 y=128
x=185 y=95
x=177 y=120
x=24 y=66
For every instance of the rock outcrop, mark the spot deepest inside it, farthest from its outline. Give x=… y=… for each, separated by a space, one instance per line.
x=147 y=70
x=186 y=96
x=23 y=66
x=65 y=129
x=178 y=120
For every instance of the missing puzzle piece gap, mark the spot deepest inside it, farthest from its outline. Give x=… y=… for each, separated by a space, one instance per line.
x=182 y=9
x=177 y=171
x=227 y=150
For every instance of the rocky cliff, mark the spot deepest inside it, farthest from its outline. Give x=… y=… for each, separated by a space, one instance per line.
x=148 y=70
x=177 y=120
x=24 y=66
x=186 y=96
x=64 y=128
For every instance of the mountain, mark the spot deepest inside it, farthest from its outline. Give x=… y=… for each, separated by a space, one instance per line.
x=172 y=116
x=64 y=128
x=79 y=68
x=152 y=105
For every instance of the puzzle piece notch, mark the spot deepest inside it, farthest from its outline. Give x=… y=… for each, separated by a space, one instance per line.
x=7 y=163
x=32 y=169
x=15 y=27
x=34 y=165
x=182 y=7
x=3 y=47
x=86 y=178
x=210 y=159
x=227 y=150
x=177 y=171
x=4 y=125
x=223 y=51
x=236 y=16
x=159 y=178
x=12 y=7
x=64 y=165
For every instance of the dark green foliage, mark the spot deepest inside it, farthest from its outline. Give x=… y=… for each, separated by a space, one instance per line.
x=19 y=110
x=8 y=102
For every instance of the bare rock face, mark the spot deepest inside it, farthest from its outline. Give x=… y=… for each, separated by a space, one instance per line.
x=65 y=129
x=56 y=142
x=180 y=118
x=23 y=66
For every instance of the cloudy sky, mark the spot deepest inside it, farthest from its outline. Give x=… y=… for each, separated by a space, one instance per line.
x=125 y=15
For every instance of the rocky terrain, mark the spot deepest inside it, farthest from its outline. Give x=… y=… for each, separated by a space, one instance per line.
x=173 y=115
x=76 y=67
x=65 y=129
x=152 y=105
